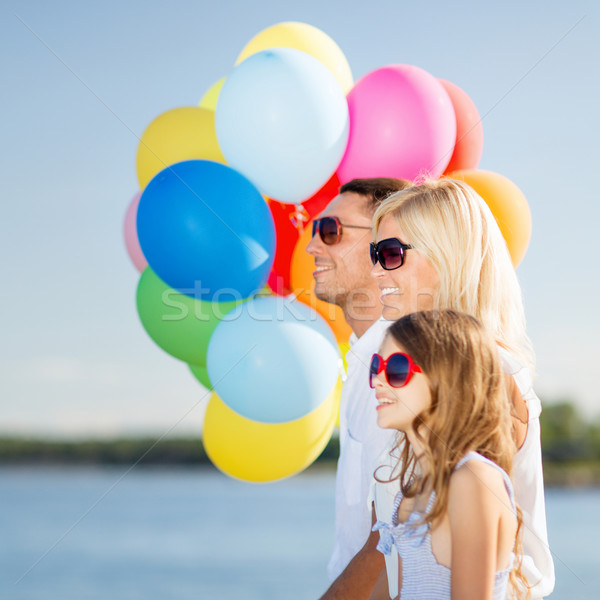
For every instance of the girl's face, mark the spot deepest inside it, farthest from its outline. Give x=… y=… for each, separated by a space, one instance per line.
x=410 y=288
x=398 y=407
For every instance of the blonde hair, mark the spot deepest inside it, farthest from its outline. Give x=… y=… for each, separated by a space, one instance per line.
x=469 y=406
x=452 y=226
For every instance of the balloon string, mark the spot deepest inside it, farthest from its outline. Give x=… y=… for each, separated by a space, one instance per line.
x=299 y=218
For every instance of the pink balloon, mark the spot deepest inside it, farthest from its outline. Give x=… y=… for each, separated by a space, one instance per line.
x=402 y=124
x=131 y=238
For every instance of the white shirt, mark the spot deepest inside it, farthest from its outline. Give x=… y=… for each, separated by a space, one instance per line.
x=528 y=482
x=361 y=443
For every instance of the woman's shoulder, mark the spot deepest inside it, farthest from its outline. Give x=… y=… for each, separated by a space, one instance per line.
x=510 y=364
x=523 y=382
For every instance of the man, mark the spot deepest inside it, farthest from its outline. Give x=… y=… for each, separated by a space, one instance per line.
x=342 y=276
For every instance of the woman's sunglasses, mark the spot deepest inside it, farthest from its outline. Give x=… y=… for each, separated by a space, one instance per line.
x=330 y=229
x=389 y=253
x=398 y=369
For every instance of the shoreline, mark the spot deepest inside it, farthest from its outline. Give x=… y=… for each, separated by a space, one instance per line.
x=189 y=453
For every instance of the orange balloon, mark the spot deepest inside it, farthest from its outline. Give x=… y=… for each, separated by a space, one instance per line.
x=508 y=205
x=303 y=265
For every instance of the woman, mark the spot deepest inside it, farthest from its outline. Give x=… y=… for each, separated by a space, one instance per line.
x=437 y=246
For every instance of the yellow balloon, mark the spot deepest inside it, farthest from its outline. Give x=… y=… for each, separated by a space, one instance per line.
x=261 y=452
x=344 y=347
x=307 y=38
x=209 y=100
x=184 y=133
x=337 y=390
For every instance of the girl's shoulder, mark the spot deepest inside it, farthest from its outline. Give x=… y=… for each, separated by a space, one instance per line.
x=479 y=483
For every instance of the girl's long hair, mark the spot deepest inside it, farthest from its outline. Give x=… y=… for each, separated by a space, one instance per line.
x=469 y=406
x=451 y=225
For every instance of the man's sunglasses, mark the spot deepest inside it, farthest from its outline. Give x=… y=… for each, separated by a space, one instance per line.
x=330 y=229
x=398 y=369
x=389 y=253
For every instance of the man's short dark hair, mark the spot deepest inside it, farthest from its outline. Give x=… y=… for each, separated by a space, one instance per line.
x=376 y=189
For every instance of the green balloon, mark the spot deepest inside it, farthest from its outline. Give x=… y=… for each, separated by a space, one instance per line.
x=179 y=324
x=201 y=374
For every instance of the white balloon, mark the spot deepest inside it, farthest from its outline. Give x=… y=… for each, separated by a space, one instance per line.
x=282 y=121
x=274 y=361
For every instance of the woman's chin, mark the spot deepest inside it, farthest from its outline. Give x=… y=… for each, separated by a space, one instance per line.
x=392 y=313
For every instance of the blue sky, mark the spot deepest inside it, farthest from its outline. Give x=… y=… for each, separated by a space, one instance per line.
x=82 y=80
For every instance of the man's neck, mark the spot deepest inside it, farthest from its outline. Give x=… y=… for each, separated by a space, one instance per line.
x=359 y=320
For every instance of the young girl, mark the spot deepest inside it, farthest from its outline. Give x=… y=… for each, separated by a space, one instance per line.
x=439 y=381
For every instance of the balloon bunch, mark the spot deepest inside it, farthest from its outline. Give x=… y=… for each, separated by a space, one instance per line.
x=219 y=229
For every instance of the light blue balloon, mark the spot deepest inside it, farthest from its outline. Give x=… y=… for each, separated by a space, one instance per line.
x=276 y=362
x=282 y=120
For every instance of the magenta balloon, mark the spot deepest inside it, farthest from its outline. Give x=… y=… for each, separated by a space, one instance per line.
x=131 y=238
x=402 y=124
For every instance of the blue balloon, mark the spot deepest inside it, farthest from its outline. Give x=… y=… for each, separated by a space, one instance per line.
x=276 y=361
x=282 y=120
x=206 y=231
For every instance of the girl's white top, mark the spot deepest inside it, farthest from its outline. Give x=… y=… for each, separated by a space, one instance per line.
x=423 y=578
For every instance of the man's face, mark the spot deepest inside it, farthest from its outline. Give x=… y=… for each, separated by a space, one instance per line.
x=342 y=270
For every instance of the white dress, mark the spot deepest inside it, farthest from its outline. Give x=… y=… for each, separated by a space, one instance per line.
x=528 y=480
x=423 y=578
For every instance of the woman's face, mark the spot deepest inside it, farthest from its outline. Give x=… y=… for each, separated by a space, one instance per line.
x=398 y=407
x=410 y=288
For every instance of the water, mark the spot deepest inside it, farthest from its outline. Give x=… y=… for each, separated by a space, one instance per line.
x=156 y=534
x=574 y=537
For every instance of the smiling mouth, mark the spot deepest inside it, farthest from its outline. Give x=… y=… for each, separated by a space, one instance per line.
x=388 y=290
x=321 y=270
x=384 y=401
x=383 y=404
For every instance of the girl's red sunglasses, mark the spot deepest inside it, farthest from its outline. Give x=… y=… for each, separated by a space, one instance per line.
x=398 y=369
